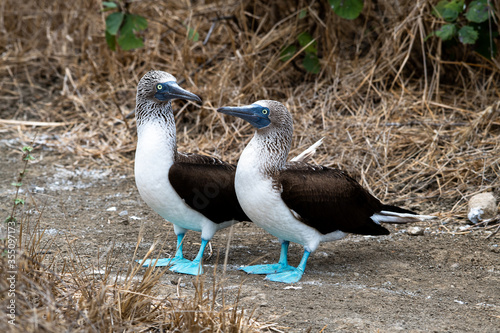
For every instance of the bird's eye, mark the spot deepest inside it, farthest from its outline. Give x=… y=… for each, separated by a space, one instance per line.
x=265 y=111
x=159 y=87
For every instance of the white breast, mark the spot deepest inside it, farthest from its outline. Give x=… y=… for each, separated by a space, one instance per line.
x=264 y=205
x=153 y=159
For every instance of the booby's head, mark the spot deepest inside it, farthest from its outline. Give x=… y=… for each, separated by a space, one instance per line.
x=159 y=86
x=273 y=138
x=262 y=114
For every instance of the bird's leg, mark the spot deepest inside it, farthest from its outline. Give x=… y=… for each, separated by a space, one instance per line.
x=177 y=259
x=192 y=267
x=284 y=253
x=178 y=252
x=281 y=266
x=293 y=275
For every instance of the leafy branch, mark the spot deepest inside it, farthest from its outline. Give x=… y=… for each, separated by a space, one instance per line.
x=19 y=182
x=467 y=23
x=347 y=9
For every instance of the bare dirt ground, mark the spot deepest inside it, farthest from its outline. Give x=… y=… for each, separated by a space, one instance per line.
x=438 y=282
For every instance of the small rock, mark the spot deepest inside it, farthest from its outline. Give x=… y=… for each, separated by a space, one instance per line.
x=111 y=209
x=292 y=287
x=38 y=189
x=415 y=231
x=482 y=206
x=123 y=213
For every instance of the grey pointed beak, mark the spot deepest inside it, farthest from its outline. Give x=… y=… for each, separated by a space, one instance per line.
x=173 y=91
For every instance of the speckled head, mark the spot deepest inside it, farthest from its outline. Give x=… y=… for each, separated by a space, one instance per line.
x=274 y=126
x=155 y=92
x=159 y=86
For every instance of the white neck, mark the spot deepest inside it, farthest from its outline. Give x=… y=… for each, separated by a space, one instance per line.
x=267 y=152
x=156 y=133
x=156 y=145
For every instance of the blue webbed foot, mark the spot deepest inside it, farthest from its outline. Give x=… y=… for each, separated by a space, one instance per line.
x=281 y=266
x=163 y=262
x=192 y=267
x=267 y=269
x=291 y=276
x=188 y=267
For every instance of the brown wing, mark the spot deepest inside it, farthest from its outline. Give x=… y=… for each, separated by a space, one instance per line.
x=207 y=185
x=329 y=200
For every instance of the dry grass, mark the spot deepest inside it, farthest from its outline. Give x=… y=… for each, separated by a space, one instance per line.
x=393 y=113
x=411 y=126
x=415 y=128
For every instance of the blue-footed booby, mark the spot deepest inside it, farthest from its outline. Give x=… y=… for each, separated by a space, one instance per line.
x=296 y=201
x=193 y=192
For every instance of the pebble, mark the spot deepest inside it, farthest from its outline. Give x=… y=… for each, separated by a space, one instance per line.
x=416 y=231
x=482 y=206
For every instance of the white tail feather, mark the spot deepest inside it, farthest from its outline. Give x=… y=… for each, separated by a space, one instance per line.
x=307 y=154
x=393 y=217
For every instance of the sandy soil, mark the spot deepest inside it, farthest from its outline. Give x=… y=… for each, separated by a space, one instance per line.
x=438 y=282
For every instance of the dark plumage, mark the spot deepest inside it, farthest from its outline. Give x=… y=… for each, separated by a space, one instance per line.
x=329 y=200
x=207 y=185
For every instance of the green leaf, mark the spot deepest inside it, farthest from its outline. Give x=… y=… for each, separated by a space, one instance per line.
x=311 y=63
x=113 y=23
x=348 y=9
x=129 y=41
x=467 y=35
x=27 y=149
x=16 y=184
x=193 y=35
x=111 y=40
x=448 y=10
x=287 y=52
x=138 y=22
x=109 y=4
x=306 y=38
x=133 y=23
x=19 y=202
x=10 y=219
x=446 y=32
x=302 y=13
x=29 y=158
x=478 y=11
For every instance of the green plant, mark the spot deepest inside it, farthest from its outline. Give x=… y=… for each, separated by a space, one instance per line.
x=121 y=26
x=468 y=23
x=19 y=182
x=347 y=9
x=310 y=61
